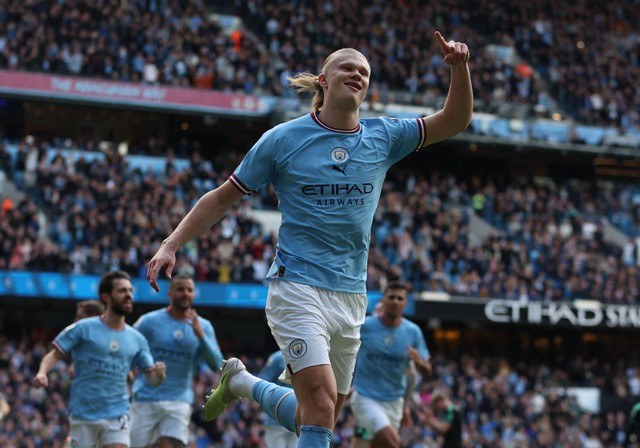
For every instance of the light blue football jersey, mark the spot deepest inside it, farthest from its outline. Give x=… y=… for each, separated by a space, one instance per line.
x=102 y=358
x=271 y=372
x=383 y=358
x=328 y=183
x=173 y=342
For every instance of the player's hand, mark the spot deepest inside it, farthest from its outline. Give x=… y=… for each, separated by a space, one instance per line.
x=192 y=315
x=413 y=354
x=455 y=53
x=160 y=369
x=40 y=380
x=427 y=413
x=406 y=418
x=165 y=259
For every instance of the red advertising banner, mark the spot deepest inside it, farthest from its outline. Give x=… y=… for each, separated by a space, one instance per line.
x=69 y=88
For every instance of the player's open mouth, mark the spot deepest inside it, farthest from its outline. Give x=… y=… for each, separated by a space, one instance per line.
x=354 y=86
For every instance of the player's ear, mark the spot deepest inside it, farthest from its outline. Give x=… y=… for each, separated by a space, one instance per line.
x=322 y=80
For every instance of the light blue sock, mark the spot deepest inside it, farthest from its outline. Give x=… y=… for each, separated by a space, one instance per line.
x=314 y=437
x=277 y=401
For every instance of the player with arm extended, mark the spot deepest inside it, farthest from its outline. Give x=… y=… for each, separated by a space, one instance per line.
x=327 y=169
x=389 y=344
x=103 y=349
x=181 y=339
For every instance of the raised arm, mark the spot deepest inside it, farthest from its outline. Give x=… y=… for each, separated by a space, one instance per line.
x=209 y=209
x=456 y=114
x=208 y=346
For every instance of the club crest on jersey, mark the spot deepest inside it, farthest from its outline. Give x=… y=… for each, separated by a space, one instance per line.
x=388 y=341
x=297 y=348
x=339 y=155
x=114 y=346
x=178 y=335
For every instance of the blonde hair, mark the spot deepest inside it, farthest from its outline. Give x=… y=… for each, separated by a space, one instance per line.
x=308 y=82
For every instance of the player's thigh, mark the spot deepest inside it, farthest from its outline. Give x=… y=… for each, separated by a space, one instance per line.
x=387 y=437
x=144 y=419
x=174 y=424
x=276 y=436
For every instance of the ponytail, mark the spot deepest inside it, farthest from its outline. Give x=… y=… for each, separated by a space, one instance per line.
x=308 y=83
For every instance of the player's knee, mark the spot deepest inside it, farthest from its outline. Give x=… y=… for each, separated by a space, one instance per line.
x=169 y=442
x=319 y=409
x=386 y=438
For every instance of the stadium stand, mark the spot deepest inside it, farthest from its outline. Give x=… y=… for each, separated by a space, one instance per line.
x=184 y=44
x=547 y=242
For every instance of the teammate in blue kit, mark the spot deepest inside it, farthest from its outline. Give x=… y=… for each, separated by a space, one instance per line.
x=389 y=343
x=275 y=435
x=327 y=169
x=180 y=338
x=103 y=350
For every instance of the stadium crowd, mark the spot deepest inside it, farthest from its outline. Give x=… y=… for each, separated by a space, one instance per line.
x=589 y=66
x=547 y=241
x=503 y=403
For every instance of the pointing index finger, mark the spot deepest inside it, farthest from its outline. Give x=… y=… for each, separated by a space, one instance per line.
x=152 y=274
x=442 y=42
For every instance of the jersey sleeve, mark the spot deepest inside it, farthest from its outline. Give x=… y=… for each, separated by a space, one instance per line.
x=143 y=359
x=257 y=169
x=406 y=135
x=421 y=344
x=68 y=339
x=209 y=347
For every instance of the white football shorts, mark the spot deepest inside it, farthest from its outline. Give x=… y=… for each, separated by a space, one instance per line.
x=373 y=415
x=99 y=432
x=154 y=419
x=314 y=326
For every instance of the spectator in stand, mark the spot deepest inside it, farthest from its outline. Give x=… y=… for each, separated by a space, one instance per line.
x=632 y=430
x=445 y=418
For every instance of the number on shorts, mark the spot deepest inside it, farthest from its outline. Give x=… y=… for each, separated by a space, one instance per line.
x=124 y=422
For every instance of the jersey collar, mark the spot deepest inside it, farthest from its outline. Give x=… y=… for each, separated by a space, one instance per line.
x=314 y=116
